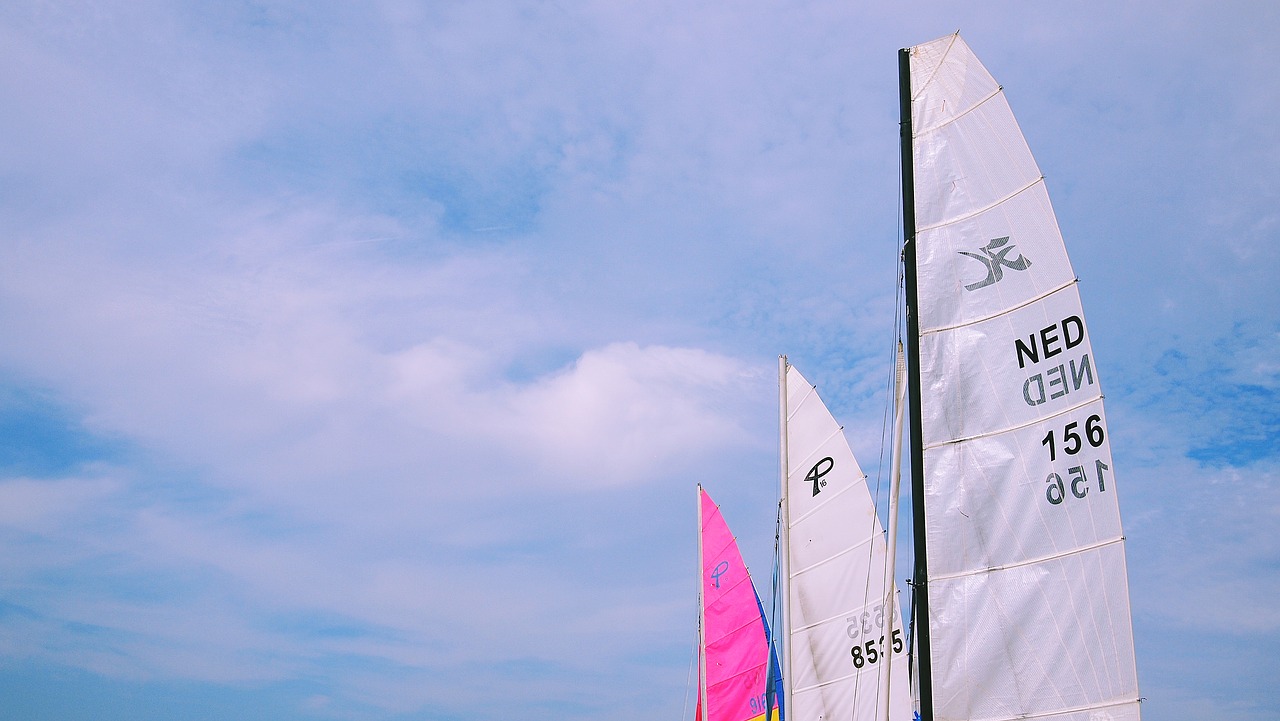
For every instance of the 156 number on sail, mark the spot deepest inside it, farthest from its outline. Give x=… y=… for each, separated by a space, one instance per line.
x=1078 y=480
x=1072 y=442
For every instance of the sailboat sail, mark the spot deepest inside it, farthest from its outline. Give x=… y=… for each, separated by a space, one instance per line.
x=839 y=642
x=734 y=653
x=1028 y=598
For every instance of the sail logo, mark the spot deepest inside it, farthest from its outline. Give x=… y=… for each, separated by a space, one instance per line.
x=820 y=469
x=995 y=258
x=720 y=569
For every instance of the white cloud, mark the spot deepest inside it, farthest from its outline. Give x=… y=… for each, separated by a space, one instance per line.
x=625 y=413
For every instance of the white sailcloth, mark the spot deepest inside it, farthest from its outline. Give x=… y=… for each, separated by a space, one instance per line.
x=1028 y=597
x=837 y=640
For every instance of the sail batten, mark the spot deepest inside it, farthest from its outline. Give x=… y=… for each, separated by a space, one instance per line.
x=924 y=82
x=980 y=102
x=857 y=546
x=1012 y=429
x=801 y=462
x=870 y=603
x=1004 y=311
x=1065 y=713
x=979 y=211
x=827 y=683
x=1028 y=562
x=818 y=507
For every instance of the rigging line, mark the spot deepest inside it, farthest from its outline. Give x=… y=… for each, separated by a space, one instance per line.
x=890 y=399
x=688 y=680
x=874 y=521
x=997 y=314
x=775 y=611
x=884 y=427
x=889 y=393
x=911 y=633
x=896 y=330
x=886 y=416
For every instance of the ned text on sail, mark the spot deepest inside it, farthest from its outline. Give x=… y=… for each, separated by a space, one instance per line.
x=1070 y=374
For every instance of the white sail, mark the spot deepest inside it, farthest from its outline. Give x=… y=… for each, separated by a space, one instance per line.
x=837 y=643
x=1028 y=597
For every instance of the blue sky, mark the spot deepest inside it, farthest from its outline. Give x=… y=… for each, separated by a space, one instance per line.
x=360 y=361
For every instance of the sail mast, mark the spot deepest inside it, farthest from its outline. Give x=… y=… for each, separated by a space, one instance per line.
x=702 y=620
x=890 y=591
x=920 y=576
x=784 y=541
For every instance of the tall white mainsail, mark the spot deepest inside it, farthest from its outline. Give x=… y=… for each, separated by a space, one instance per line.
x=1028 y=598
x=837 y=643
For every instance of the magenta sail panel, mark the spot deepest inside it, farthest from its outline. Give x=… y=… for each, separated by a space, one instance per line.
x=737 y=648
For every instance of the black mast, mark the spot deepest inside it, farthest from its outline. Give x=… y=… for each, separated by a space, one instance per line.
x=920 y=576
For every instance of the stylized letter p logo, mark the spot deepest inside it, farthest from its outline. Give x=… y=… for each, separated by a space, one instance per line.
x=820 y=469
x=720 y=569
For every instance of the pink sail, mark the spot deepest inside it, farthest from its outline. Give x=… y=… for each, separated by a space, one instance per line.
x=735 y=658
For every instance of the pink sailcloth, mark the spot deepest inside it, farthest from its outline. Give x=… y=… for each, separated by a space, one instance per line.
x=734 y=663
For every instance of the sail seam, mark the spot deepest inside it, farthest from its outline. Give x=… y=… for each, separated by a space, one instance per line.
x=1010 y=429
x=999 y=89
x=1028 y=562
x=985 y=208
x=997 y=314
x=1060 y=712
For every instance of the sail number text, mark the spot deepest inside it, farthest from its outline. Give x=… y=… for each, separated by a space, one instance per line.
x=1078 y=481
x=1072 y=441
x=866 y=623
x=873 y=649
x=760 y=704
x=863 y=625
